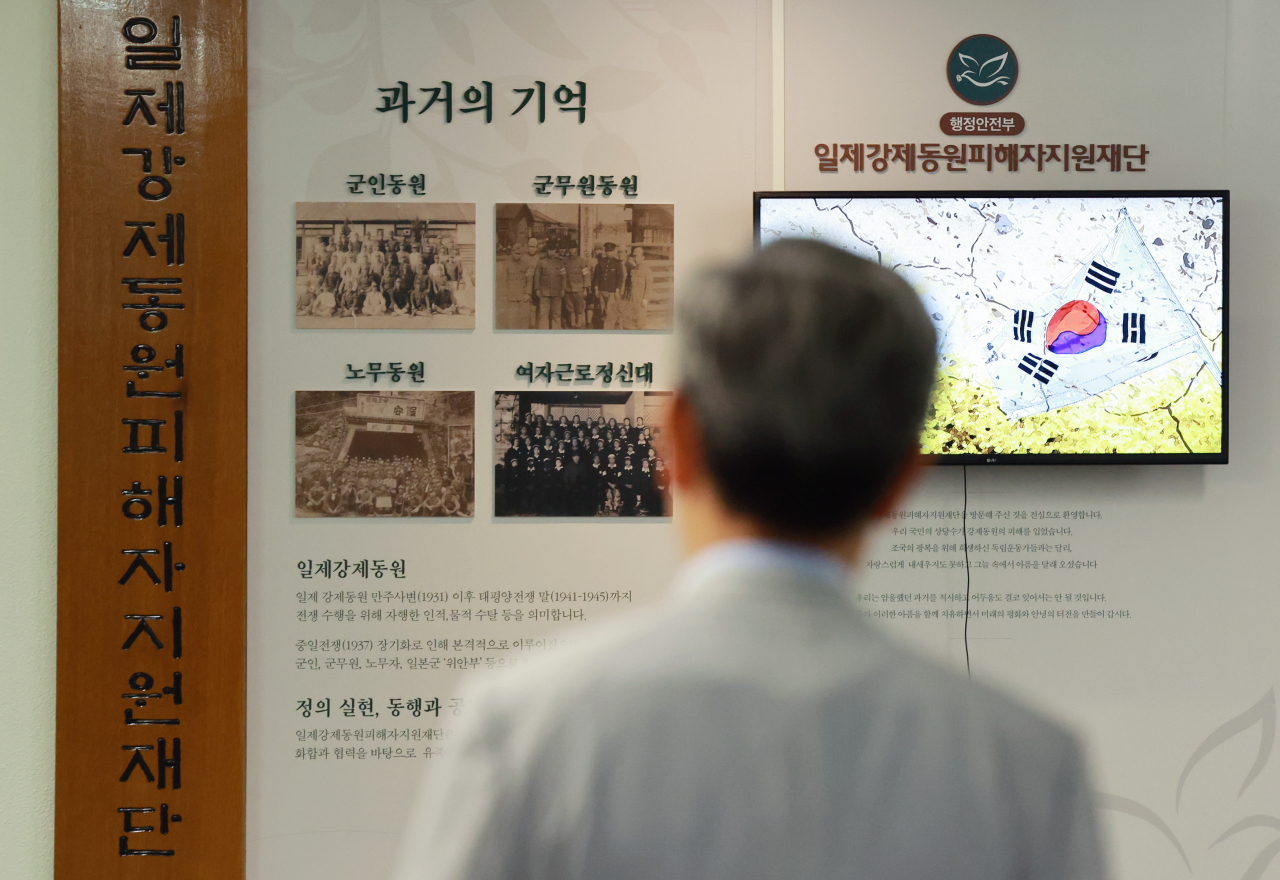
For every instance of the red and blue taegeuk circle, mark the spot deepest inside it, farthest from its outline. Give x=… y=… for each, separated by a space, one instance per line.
x=1075 y=328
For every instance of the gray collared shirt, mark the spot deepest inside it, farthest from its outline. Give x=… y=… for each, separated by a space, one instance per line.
x=754 y=726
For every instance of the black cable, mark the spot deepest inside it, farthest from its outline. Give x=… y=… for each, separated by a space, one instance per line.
x=964 y=525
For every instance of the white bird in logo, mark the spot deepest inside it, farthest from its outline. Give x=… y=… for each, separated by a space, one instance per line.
x=974 y=67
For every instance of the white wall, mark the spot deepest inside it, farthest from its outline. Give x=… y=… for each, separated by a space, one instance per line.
x=28 y=399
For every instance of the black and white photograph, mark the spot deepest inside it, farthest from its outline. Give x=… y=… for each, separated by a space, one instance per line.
x=384 y=454
x=584 y=267
x=580 y=454
x=385 y=266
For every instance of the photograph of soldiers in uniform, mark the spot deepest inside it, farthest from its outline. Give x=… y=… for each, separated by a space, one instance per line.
x=385 y=265
x=584 y=267
x=384 y=454
x=587 y=453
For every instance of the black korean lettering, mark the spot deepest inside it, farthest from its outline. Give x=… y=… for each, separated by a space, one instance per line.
x=139 y=105
x=152 y=319
x=397 y=99
x=143 y=628
x=540 y=88
x=168 y=767
x=174 y=501
x=141 y=684
x=137 y=762
x=145 y=286
x=140 y=228
x=167 y=819
x=140 y=562
x=152 y=445
x=173 y=107
x=153 y=187
x=131 y=390
x=174 y=238
x=130 y=721
x=142 y=54
x=139 y=507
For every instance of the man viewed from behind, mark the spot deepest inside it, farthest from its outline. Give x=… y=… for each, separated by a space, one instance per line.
x=756 y=725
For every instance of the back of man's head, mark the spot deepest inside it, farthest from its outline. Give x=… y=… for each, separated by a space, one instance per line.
x=808 y=371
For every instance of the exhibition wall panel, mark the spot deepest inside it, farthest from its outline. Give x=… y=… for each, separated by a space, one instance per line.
x=469 y=225
x=502 y=200
x=1134 y=602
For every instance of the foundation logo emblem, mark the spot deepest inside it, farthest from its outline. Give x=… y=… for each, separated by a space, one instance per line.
x=982 y=69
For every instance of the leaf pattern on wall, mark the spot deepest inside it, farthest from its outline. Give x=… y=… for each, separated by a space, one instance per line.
x=514 y=129
x=342 y=89
x=519 y=176
x=1262 y=713
x=369 y=152
x=691 y=15
x=332 y=16
x=331 y=86
x=266 y=86
x=533 y=22
x=271 y=37
x=607 y=150
x=1131 y=807
x=453 y=32
x=617 y=88
x=1268 y=853
x=1260 y=863
x=1247 y=823
x=680 y=59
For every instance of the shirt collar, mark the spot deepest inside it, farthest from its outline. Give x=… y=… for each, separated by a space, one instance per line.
x=748 y=554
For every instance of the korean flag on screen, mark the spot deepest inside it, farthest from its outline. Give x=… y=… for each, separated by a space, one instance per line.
x=1116 y=318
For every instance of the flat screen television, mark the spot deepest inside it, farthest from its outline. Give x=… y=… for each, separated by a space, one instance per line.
x=1077 y=327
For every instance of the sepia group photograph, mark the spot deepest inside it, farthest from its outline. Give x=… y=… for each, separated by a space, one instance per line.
x=584 y=267
x=385 y=266
x=580 y=454
x=389 y=454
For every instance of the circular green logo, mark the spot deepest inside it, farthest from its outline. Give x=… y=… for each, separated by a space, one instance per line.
x=982 y=69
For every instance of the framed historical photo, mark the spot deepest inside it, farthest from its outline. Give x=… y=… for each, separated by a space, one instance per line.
x=584 y=267
x=580 y=454
x=384 y=454
x=385 y=266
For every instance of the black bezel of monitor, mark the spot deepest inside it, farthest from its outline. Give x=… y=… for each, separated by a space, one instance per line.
x=1055 y=458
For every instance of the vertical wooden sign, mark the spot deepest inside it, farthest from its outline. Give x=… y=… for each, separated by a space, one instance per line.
x=151 y=439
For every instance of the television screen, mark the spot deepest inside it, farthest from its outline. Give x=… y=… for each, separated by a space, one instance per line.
x=1073 y=327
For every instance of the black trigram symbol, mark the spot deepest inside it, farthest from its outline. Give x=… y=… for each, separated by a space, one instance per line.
x=1022 y=321
x=1102 y=278
x=1037 y=368
x=1134 y=328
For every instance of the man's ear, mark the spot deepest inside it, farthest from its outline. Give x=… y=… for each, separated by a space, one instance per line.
x=903 y=479
x=681 y=443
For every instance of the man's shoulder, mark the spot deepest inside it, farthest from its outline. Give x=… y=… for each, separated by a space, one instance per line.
x=628 y=664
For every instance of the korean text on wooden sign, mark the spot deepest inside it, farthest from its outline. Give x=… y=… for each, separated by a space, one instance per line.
x=154 y=429
x=150 y=757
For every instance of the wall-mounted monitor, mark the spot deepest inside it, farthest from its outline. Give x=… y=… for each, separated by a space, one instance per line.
x=1073 y=327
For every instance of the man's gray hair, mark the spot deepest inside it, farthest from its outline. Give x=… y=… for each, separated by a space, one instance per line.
x=808 y=370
